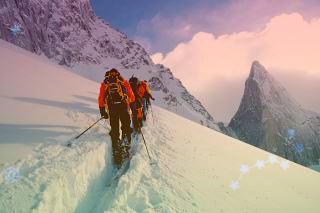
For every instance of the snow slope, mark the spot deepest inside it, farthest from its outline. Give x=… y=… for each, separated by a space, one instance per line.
x=192 y=173
x=39 y=101
x=193 y=165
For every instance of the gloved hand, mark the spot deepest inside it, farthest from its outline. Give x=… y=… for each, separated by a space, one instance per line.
x=152 y=98
x=103 y=113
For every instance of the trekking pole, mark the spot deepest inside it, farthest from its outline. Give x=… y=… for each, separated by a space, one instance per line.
x=78 y=136
x=145 y=144
x=152 y=114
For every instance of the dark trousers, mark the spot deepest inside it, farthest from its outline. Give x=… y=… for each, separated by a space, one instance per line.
x=136 y=120
x=119 y=112
x=148 y=102
x=144 y=108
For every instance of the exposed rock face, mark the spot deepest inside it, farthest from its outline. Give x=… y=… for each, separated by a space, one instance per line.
x=68 y=32
x=267 y=112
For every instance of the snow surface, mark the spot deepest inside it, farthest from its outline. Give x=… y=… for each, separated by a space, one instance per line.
x=39 y=101
x=196 y=169
x=192 y=173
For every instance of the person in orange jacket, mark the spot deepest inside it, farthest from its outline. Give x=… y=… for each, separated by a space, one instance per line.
x=114 y=99
x=144 y=94
x=148 y=95
x=136 y=107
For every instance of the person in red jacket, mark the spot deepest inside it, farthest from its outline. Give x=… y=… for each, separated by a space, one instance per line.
x=144 y=94
x=114 y=99
x=136 y=107
x=148 y=96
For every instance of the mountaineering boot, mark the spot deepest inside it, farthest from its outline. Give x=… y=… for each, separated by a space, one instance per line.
x=125 y=145
x=117 y=159
x=116 y=150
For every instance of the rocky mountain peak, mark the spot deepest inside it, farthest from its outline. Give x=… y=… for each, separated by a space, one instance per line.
x=270 y=92
x=267 y=112
x=258 y=72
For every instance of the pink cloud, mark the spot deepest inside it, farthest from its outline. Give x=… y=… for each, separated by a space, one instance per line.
x=215 y=68
x=234 y=16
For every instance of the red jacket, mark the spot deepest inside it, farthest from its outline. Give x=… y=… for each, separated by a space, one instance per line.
x=129 y=92
x=102 y=94
x=142 y=87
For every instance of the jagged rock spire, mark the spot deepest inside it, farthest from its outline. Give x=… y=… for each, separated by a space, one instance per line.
x=266 y=113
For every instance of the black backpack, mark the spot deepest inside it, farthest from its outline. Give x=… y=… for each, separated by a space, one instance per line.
x=116 y=91
x=133 y=81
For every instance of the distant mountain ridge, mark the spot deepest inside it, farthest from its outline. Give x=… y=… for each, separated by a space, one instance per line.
x=68 y=32
x=267 y=112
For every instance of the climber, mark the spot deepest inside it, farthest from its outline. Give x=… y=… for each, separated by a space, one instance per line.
x=136 y=107
x=114 y=98
x=148 y=96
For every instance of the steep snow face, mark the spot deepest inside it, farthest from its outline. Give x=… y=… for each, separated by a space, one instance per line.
x=267 y=112
x=68 y=32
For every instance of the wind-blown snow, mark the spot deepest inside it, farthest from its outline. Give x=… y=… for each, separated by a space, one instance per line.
x=195 y=169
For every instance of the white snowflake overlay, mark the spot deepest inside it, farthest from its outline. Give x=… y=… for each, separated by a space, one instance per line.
x=260 y=164
x=11 y=175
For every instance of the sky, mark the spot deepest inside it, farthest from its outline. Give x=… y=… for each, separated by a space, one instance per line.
x=147 y=20
x=210 y=45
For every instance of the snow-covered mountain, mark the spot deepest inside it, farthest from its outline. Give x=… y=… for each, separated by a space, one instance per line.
x=68 y=32
x=199 y=170
x=267 y=112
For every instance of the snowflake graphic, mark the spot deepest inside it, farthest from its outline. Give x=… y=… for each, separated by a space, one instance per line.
x=298 y=148
x=244 y=169
x=15 y=29
x=234 y=185
x=291 y=134
x=260 y=164
x=273 y=159
x=284 y=164
x=11 y=175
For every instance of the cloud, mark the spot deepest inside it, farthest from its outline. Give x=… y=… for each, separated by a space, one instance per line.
x=215 y=68
x=157 y=58
x=166 y=30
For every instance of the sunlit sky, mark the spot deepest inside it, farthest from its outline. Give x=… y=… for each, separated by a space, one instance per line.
x=215 y=42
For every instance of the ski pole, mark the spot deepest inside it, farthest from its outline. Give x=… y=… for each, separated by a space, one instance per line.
x=78 y=136
x=145 y=144
x=88 y=128
x=152 y=114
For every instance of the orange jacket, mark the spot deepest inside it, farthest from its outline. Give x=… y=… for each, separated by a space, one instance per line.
x=102 y=94
x=142 y=87
x=129 y=92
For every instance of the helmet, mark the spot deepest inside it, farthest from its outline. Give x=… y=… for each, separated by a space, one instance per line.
x=113 y=71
